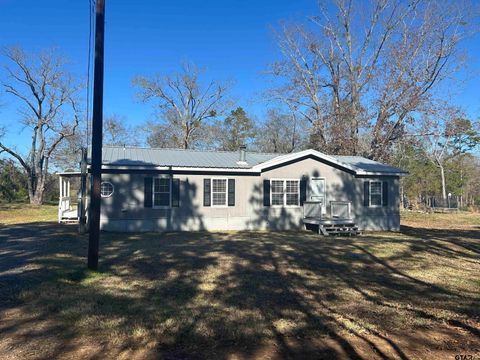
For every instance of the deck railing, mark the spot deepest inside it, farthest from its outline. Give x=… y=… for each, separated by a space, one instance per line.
x=340 y=209
x=63 y=206
x=312 y=209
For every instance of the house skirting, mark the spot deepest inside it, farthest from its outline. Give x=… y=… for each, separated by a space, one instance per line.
x=379 y=223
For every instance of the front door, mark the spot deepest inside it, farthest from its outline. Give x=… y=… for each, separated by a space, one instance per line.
x=317 y=191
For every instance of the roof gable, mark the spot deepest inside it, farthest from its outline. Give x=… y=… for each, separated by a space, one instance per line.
x=354 y=164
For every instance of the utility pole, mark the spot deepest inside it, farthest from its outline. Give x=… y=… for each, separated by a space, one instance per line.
x=83 y=193
x=97 y=129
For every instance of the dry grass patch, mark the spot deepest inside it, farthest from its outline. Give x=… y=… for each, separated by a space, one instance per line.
x=239 y=295
x=17 y=213
x=455 y=220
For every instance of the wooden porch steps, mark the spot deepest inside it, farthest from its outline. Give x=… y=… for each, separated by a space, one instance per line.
x=69 y=221
x=338 y=229
x=333 y=226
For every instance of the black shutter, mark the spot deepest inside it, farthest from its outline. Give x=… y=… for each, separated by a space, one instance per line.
x=147 y=192
x=366 y=193
x=303 y=190
x=231 y=192
x=175 y=192
x=385 y=193
x=206 y=192
x=266 y=192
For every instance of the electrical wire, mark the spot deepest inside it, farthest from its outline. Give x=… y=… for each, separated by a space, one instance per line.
x=91 y=5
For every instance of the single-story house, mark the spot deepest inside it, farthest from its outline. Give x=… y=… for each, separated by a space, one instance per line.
x=146 y=189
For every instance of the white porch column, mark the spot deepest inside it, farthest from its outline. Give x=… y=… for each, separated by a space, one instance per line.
x=60 y=190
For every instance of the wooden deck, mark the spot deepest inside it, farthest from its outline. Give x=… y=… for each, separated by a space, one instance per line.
x=327 y=221
x=339 y=222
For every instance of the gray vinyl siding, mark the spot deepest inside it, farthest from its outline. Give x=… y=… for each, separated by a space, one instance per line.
x=125 y=211
x=342 y=186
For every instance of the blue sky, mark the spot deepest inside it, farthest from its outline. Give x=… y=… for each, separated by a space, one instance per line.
x=232 y=39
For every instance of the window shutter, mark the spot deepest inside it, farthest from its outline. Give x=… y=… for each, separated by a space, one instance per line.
x=148 y=192
x=206 y=192
x=231 y=192
x=385 y=193
x=303 y=190
x=175 y=192
x=266 y=192
x=366 y=193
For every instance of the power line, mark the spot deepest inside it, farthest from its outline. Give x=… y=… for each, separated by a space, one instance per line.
x=89 y=64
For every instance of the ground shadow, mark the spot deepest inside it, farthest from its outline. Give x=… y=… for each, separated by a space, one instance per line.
x=217 y=295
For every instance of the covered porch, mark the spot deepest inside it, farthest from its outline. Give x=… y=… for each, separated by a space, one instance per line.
x=68 y=200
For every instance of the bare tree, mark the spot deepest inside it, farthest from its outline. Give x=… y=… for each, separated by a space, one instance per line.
x=68 y=153
x=281 y=132
x=49 y=110
x=185 y=103
x=117 y=132
x=451 y=135
x=369 y=67
x=161 y=135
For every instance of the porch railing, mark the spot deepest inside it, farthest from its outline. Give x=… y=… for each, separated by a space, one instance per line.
x=338 y=210
x=312 y=209
x=63 y=206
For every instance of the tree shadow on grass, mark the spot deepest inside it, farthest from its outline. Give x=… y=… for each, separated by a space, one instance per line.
x=215 y=295
x=461 y=242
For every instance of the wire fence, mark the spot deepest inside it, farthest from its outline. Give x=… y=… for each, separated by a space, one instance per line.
x=451 y=202
x=433 y=202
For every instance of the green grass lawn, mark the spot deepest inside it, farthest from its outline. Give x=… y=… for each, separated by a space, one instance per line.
x=240 y=295
x=19 y=213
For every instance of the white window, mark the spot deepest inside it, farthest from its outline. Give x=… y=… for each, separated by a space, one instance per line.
x=106 y=189
x=161 y=192
x=277 y=192
x=291 y=192
x=285 y=192
x=219 y=192
x=375 y=193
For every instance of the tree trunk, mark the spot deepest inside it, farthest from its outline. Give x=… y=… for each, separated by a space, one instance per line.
x=37 y=199
x=36 y=190
x=444 y=187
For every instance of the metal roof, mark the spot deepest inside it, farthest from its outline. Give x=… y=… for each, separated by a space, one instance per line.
x=135 y=156
x=368 y=165
x=132 y=156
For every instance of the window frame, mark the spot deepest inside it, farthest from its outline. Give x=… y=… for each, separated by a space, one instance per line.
x=370 y=193
x=169 y=192
x=226 y=192
x=272 y=193
x=284 y=193
x=106 y=182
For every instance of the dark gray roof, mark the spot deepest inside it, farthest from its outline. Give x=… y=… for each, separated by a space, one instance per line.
x=365 y=164
x=128 y=156
x=134 y=156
